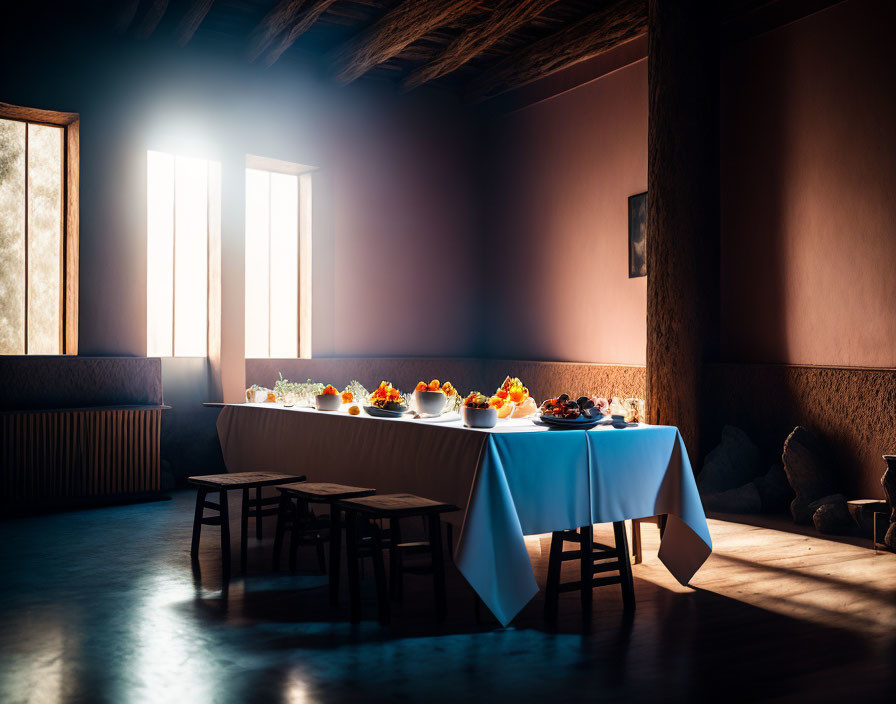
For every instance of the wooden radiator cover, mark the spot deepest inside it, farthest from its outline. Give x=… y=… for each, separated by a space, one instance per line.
x=58 y=457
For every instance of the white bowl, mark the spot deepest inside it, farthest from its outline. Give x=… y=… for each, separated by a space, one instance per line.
x=328 y=402
x=480 y=417
x=430 y=403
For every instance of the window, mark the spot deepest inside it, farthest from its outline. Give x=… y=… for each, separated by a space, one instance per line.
x=278 y=259
x=182 y=228
x=38 y=231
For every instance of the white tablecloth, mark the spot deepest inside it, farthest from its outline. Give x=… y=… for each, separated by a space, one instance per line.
x=515 y=480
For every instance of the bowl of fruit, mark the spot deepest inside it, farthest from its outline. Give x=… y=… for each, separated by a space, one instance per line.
x=432 y=398
x=386 y=401
x=329 y=400
x=478 y=413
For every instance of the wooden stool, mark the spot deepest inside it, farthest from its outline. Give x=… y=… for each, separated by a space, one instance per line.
x=594 y=558
x=364 y=539
x=251 y=508
x=294 y=501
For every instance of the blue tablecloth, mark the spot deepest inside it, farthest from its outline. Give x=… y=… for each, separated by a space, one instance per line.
x=530 y=483
x=514 y=480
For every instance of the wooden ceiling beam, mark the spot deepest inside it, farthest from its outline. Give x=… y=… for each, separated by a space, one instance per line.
x=278 y=20
x=507 y=17
x=302 y=25
x=585 y=39
x=406 y=23
x=191 y=20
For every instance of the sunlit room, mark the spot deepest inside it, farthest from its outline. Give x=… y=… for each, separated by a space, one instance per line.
x=447 y=351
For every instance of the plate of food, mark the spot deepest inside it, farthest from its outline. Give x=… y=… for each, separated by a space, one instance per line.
x=386 y=402
x=564 y=412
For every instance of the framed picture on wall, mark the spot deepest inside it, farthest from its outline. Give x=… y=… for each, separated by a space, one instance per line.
x=637 y=235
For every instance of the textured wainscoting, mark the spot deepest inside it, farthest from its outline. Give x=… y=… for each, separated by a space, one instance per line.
x=544 y=379
x=74 y=429
x=854 y=409
x=60 y=457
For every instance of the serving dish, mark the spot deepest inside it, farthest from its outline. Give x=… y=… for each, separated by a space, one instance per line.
x=378 y=412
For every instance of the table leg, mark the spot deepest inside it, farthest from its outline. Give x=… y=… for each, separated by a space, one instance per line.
x=438 y=566
x=244 y=531
x=636 y=541
x=335 y=545
x=225 y=535
x=197 y=523
x=354 y=578
x=586 y=564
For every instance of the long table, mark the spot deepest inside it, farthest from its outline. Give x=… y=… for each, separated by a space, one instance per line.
x=510 y=481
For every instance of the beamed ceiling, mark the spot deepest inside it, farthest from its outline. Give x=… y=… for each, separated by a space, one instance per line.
x=479 y=48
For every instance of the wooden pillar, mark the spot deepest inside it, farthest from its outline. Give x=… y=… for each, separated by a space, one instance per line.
x=683 y=209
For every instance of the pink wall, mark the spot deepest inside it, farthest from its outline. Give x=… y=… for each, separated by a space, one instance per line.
x=563 y=170
x=809 y=191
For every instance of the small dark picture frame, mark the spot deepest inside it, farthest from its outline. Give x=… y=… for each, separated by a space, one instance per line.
x=637 y=235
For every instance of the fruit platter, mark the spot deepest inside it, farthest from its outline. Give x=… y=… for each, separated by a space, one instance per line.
x=512 y=400
x=386 y=402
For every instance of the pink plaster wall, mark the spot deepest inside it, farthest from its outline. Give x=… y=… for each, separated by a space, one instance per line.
x=563 y=170
x=809 y=191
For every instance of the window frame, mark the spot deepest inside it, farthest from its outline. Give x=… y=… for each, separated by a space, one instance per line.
x=214 y=195
x=70 y=124
x=304 y=174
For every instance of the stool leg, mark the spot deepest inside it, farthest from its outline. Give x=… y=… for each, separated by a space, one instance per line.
x=335 y=540
x=438 y=566
x=225 y=534
x=244 y=531
x=586 y=564
x=282 y=518
x=295 y=536
x=625 y=565
x=321 y=559
x=379 y=573
x=197 y=523
x=395 y=571
x=354 y=578
x=449 y=534
x=552 y=588
x=258 y=510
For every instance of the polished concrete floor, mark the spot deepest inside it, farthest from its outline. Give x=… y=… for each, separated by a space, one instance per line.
x=102 y=606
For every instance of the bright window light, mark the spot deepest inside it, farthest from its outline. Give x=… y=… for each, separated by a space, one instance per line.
x=275 y=198
x=31 y=213
x=179 y=190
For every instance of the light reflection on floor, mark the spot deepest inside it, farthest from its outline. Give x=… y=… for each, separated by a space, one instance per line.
x=103 y=605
